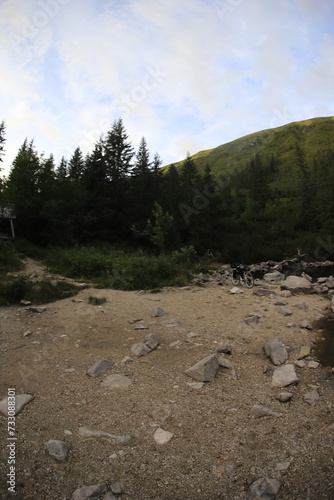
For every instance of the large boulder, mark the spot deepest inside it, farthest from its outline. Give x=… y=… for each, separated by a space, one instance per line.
x=296 y=285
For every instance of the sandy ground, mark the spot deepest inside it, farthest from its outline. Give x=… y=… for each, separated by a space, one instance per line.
x=219 y=447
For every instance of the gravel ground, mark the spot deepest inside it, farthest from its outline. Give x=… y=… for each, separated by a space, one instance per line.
x=219 y=447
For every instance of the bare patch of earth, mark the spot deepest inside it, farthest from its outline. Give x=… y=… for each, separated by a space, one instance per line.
x=218 y=447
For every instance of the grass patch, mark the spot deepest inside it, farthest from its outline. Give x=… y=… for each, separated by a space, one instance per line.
x=97 y=301
x=15 y=289
x=124 y=271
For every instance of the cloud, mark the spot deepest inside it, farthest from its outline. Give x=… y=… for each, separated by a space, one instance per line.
x=186 y=75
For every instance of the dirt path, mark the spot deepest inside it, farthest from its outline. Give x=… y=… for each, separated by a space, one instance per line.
x=218 y=447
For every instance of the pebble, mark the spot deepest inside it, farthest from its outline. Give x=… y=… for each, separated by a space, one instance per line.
x=58 y=449
x=116 y=382
x=162 y=437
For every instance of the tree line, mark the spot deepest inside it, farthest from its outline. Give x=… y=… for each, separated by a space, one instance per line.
x=123 y=197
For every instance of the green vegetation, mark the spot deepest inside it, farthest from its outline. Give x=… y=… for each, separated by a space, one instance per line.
x=96 y=301
x=117 y=218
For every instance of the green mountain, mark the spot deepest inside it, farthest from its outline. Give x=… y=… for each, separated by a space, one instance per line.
x=312 y=136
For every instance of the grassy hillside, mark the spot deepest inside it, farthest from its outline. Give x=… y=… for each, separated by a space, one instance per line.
x=313 y=136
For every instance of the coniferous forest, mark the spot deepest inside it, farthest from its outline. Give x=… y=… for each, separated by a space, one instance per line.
x=252 y=210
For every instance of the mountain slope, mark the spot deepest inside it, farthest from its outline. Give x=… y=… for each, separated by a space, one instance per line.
x=312 y=136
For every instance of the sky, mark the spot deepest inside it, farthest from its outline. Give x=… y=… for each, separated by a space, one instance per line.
x=187 y=75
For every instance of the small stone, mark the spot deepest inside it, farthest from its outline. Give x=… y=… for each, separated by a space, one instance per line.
x=196 y=385
x=58 y=449
x=262 y=411
x=224 y=348
x=25 y=302
x=276 y=351
x=313 y=364
x=300 y=363
x=306 y=325
x=204 y=370
x=284 y=310
x=109 y=496
x=141 y=327
x=235 y=291
x=170 y=322
x=162 y=437
x=100 y=367
x=224 y=363
x=27 y=334
x=151 y=341
x=312 y=397
x=36 y=309
x=304 y=351
x=264 y=292
x=301 y=305
x=126 y=360
x=283 y=466
x=264 y=488
x=116 y=382
x=116 y=488
x=252 y=319
x=140 y=349
x=20 y=401
x=132 y=321
x=90 y=492
x=157 y=312
x=284 y=397
x=284 y=375
x=281 y=302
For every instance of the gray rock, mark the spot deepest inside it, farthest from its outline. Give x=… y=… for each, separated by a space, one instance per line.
x=285 y=293
x=281 y=302
x=284 y=375
x=109 y=496
x=273 y=277
x=285 y=397
x=252 y=319
x=196 y=385
x=301 y=305
x=312 y=397
x=157 y=312
x=141 y=327
x=90 y=492
x=306 y=325
x=304 y=351
x=224 y=363
x=140 y=349
x=264 y=292
x=264 y=488
x=262 y=411
x=20 y=401
x=235 y=290
x=297 y=285
x=284 y=310
x=204 y=370
x=36 y=309
x=116 y=382
x=58 y=449
x=276 y=351
x=224 y=348
x=151 y=341
x=99 y=367
x=162 y=437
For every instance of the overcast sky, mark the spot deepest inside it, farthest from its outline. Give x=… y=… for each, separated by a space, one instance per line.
x=187 y=75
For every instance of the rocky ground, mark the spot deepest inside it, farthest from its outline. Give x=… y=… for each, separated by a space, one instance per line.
x=219 y=437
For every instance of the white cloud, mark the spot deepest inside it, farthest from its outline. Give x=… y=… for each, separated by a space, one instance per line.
x=187 y=75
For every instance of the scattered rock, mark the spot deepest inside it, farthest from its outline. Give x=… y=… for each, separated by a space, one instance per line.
x=152 y=341
x=204 y=370
x=126 y=360
x=262 y=411
x=157 y=312
x=84 y=432
x=285 y=397
x=301 y=305
x=162 y=437
x=140 y=349
x=281 y=302
x=304 y=351
x=276 y=351
x=196 y=385
x=224 y=349
x=252 y=319
x=224 y=363
x=274 y=277
x=264 y=488
x=90 y=492
x=58 y=449
x=312 y=397
x=141 y=327
x=264 y=292
x=284 y=310
x=99 y=367
x=283 y=466
x=285 y=293
x=300 y=363
x=284 y=375
x=36 y=309
x=20 y=401
x=306 y=325
x=297 y=285
x=132 y=321
x=313 y=364
x=116 y=382
x=235 y=290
